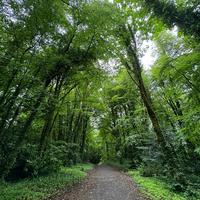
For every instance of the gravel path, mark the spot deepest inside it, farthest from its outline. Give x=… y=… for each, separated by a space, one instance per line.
x=104 y=183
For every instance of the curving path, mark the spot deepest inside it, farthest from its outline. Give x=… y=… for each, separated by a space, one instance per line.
x=104 y=183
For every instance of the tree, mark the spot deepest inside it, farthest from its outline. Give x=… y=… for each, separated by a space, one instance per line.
x=185 y=15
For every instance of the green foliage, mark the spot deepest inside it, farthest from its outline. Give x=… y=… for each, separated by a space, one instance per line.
x=44 y=57
x=150 y=179
x=124 y=166
x=31 y=163
x=73 y=88
x=68 y=153
x=94 y=155
x=93 y=152
x=183 y=14
x=44 y=186
x=157 y=189
x=150 y=169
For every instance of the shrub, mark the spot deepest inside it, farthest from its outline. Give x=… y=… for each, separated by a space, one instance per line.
x=68 y=152
x=30 y=162
x=43 y=187
x=124 y=166
x=95 y=156
x=151 y=168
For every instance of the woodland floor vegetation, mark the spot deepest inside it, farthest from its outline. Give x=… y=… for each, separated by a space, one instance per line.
x=44 y=186
x=158 y=188
x=97 y=81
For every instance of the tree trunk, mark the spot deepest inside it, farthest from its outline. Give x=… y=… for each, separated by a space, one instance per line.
x=84 y=132
x=136 y=69
x=77 y=126
x=46 y=129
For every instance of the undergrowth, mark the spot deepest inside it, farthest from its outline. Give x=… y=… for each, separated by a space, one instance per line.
x=44 y=186
x=121 y=166
x=158 y=189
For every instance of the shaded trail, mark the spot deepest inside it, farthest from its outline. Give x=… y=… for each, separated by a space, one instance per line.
x=104 y=183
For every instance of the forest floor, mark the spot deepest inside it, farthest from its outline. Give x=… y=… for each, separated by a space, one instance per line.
x=43 y=187
x=103 y=183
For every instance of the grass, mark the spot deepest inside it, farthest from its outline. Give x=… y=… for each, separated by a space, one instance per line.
x=44 y=186
x=157 y=189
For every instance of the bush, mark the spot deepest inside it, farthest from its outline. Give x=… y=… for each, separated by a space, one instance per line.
x=156 y=188
x=29 y=162
x=92 y=155
x=43 y=187
x=95 y=157
x=69 y=152
x=151 y=168
x=124 y=166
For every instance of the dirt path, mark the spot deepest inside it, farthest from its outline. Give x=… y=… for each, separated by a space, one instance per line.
x=104 y=183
